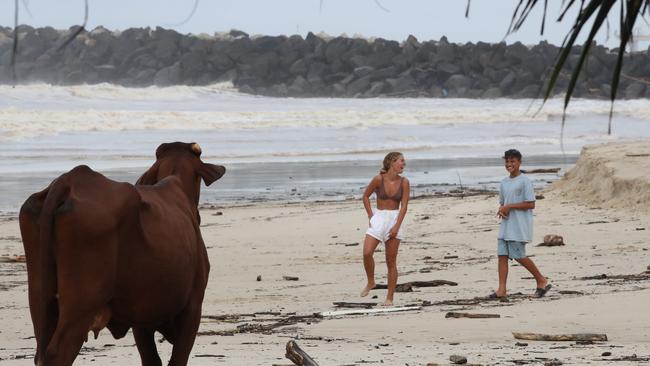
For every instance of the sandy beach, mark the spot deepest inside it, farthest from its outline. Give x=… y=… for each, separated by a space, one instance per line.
x=601 y=280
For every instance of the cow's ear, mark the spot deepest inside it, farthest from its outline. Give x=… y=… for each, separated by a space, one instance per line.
x=211 y=172
x=150 y=177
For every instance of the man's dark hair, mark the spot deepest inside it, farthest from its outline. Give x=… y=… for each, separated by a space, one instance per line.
x=512 y=153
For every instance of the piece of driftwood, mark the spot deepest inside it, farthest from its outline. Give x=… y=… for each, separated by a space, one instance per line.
x=552 y=240
x=634 y=358
x=408 y=286
x=368 y=311
x=254 y=326
x=363 y=305
x=540 y=170
x=633 y=277
x=453 y=314
x=298 y=356
x=14 y=259
x=637 y=155
x=290 y=278
x=570 y=292
x=561 y=337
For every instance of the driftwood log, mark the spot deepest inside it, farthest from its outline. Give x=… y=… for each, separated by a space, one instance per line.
x=633 y=277
x=14 y=259
x=453 y=314
x=362 y=305
x=368 y=311
x=408 y=286
x=298 y=356
x=594 y=337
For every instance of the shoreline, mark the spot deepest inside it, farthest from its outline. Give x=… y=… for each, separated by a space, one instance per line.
x=312 y=181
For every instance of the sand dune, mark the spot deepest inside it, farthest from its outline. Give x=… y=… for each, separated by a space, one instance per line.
x=610 y=175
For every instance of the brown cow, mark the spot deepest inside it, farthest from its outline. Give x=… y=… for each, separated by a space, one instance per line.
x=106 y=254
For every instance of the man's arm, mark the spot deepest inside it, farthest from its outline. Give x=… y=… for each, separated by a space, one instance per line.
x=505 y=209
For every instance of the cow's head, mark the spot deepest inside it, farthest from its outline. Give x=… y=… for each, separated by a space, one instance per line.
x=182 y=160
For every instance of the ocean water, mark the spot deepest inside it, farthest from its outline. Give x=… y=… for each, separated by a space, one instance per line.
x=290 y=149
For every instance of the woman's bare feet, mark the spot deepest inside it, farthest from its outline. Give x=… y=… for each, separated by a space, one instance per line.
x=387 y=303
x=367 y=289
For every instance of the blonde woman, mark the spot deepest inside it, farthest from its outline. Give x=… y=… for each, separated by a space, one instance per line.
x=392 y=194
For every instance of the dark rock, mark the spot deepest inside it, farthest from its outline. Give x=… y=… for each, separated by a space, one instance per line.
x=299 y=86
x=449 y=68
x=458 y=360
x=402 y=84
x=508 y=82
x=492 y=93
x=531 y=91
x=363 y=71
x=459 y=81
x=298 y=68
x=167 y=76
x=237 y=33
x=358 y=86
x=376 y=89
x=384 y=73
x=634 y=91
x=279 y=90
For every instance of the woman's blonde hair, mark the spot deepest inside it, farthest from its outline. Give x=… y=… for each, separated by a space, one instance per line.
x=388 y=160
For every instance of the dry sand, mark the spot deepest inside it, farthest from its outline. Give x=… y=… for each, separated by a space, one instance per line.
x=601 y=211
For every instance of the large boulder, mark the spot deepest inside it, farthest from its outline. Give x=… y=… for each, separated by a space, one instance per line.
x=167 y=76
x=458 y=82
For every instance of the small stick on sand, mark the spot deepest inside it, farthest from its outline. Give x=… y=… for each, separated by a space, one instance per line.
x=594 y=337
x=453 y=314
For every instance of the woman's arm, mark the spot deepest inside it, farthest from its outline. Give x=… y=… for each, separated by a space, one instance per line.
x=374 y=183
x=406 y=193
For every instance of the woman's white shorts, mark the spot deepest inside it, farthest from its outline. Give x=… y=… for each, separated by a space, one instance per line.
x=381 y=222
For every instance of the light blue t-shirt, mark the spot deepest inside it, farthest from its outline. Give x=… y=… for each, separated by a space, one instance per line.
x=518 y=226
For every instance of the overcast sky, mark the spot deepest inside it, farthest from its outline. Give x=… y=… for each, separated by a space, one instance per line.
x=391 y=19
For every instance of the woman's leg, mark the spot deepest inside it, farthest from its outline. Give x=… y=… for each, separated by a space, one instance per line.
x=369 y=246
x=392 y=246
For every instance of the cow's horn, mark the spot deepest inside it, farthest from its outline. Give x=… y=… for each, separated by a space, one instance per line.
x=196 y=148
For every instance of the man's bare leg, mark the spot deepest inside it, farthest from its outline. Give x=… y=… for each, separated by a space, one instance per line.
x=503 y=275
x=532 y=268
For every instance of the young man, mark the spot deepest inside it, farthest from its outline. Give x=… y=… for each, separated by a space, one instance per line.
x=517 y=201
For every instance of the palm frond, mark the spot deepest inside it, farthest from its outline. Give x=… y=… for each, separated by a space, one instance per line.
x=628 y=18
x=80 y=29
x=595 y=13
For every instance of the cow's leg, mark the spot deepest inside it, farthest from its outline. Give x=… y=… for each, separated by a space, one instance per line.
x=186 y=325
x=66 y=342
x=144 y=339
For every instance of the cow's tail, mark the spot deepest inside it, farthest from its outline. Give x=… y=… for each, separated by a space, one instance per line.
x=48 y=306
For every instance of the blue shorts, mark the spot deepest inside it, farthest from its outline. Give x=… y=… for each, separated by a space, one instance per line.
x=513 y=249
